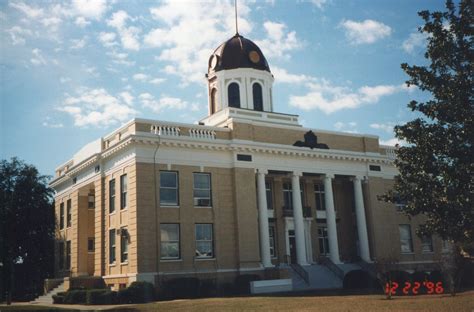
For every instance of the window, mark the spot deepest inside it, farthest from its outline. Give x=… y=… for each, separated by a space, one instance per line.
x=257 y=97
x=204 y=242
x=426 y=244
x=69 y=213
x=213 y=100
x=123 y=192
x=287 y=196
x=445 y=246
x=406 y=242
x=169 y=188
x=169 y=247
x=399 y=203
x=61 y=255
x=233 y=95
x=90 y=244
x=202 y=189
x=61 y=216
x=271 y=229
x=68 y=255
x=319 y=197
x=112 y=246
x=323 y=240
x=91 y=201
x=111 y=195
x=269 y=192
x=124 y=239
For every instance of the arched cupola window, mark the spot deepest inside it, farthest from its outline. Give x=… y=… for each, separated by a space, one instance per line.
x=213 y=100
x=257 y=97
x=233 y=93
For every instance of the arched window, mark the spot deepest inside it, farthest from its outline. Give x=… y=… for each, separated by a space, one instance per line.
x=213 y=101
x=233 y=95
x=257 y=97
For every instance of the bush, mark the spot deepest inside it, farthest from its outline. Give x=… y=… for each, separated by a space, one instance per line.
x=93 y=296
x=75 y=296
x=107 y=297
x=137 y=292
x=186 y=287
x=57 y=299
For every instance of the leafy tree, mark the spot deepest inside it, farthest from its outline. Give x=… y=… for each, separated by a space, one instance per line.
x=26 y=229
x=436 y=166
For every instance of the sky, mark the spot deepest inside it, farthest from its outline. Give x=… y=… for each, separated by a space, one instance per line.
x=73 y=71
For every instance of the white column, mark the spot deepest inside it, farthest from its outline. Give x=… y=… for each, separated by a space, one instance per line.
x=298 y=220
x=263 y=220
x=331 y=220
x=361 y=221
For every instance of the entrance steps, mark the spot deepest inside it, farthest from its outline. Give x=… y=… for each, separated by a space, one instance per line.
x=320 y=277
x=48 y=297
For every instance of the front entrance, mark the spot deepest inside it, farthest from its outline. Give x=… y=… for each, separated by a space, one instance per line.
x=292 y=243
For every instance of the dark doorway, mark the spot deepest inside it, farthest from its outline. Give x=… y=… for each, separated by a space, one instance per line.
x=291 y=237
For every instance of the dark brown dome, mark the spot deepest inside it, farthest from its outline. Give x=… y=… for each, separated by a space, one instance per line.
x=237 y=52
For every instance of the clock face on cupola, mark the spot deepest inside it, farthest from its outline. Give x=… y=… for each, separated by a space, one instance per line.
x=239 y=77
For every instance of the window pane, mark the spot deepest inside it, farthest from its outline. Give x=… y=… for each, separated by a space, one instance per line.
x=233 y=94
x=257 y=97
x=204 y=240
x=169 y=250
x=202 y=181
x=169 y=232
x=168 y=196
x=168 y=179
x=204 y=249
x=202 y=193
x=269 y=194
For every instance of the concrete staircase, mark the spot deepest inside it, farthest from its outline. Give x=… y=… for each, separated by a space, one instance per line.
x=48 y=298
x=320 y=277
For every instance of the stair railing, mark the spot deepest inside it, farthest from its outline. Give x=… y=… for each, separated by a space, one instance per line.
x=332 y=267
x=301 y=272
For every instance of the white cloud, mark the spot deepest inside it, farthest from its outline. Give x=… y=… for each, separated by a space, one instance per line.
x=18 y=34
x=92 y=9
x=387 y=127
x=107 y=39
x=349 y=127
x=140 y=77
x=120 y=58
x=129 y=36
x=329 y=98
x=96 y=107
x=414 y=41
x=78 y=43
x=52 y=22
x=157 y=81
x=29 y=11
x=368 y=31
x=165 y=102
x=127 y=97
x=49 y=124
x=64 y=79
x=278 y=41
x=81 y=21
x=319 y=3
x=38 y=58
x=180 y=22
x=282 y=76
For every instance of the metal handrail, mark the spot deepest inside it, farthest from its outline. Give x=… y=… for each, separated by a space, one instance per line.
x=332 y=267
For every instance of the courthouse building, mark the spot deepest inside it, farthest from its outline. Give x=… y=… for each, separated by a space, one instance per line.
x=246 y=191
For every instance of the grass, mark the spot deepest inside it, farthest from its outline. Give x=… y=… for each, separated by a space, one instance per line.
x=461 y=302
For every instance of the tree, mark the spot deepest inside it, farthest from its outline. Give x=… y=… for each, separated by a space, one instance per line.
x=436 y=165
x=26 y=229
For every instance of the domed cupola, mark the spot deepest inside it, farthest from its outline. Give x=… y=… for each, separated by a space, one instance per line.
x=239 y=77
x=237 y=52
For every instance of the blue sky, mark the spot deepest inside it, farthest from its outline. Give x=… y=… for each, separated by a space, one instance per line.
x=72 y=72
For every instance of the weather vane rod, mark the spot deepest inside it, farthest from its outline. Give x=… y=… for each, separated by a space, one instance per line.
x=236 y=25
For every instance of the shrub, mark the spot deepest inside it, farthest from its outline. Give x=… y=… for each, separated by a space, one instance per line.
x=107 y=297
x=75 y=296
x=93 y=296
x=186 y=287
x=58 y=299
x=137 y=292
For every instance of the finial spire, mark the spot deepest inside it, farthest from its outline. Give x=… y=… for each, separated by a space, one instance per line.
x=236 y=25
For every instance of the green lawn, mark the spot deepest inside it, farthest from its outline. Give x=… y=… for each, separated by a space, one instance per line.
x=459 y=303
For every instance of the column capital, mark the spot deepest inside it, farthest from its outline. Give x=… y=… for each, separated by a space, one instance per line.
x=262 y=171
x=357 y=178
x=329 y=175
x=296 y=174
